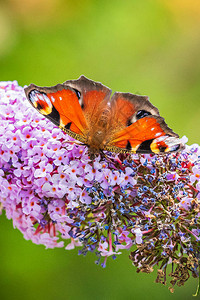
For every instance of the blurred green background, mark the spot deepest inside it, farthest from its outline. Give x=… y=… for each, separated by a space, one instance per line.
x=149 y=47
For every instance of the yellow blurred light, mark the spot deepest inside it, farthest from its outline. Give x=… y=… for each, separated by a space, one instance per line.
x=184 y=10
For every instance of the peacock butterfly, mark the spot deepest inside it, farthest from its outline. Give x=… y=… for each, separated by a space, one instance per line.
x=85 y=110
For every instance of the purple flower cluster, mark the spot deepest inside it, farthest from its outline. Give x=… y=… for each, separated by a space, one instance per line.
x=57 y=196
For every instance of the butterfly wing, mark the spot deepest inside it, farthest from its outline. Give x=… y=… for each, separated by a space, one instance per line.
x=142 y=129
x=71 y=106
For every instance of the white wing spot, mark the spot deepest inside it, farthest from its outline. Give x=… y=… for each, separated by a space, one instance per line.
x=158 y=134
x=40 y=97
x=52 y=99
x=46 y=99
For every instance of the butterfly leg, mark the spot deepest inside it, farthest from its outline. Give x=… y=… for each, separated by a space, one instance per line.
x=115 y=161
x=74 y=142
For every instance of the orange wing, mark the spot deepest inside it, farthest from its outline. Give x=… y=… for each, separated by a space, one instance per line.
x=72 y=105
x=141 y=129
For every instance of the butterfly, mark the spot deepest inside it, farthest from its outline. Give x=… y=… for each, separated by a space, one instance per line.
x=123 y=123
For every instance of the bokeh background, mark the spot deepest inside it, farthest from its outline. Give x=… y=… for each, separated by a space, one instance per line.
x=149 y=47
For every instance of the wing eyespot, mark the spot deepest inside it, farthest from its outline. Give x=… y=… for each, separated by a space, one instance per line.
x=80 y=99
x=129 y=122
x=162 y=149
x=142 y=113
x=40 y=101
x=78 y=94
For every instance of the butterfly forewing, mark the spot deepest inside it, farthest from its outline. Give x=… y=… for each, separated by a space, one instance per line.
x=61 y=106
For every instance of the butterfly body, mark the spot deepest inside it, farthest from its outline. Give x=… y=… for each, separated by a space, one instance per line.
x=99 y=130
x=85 y=110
